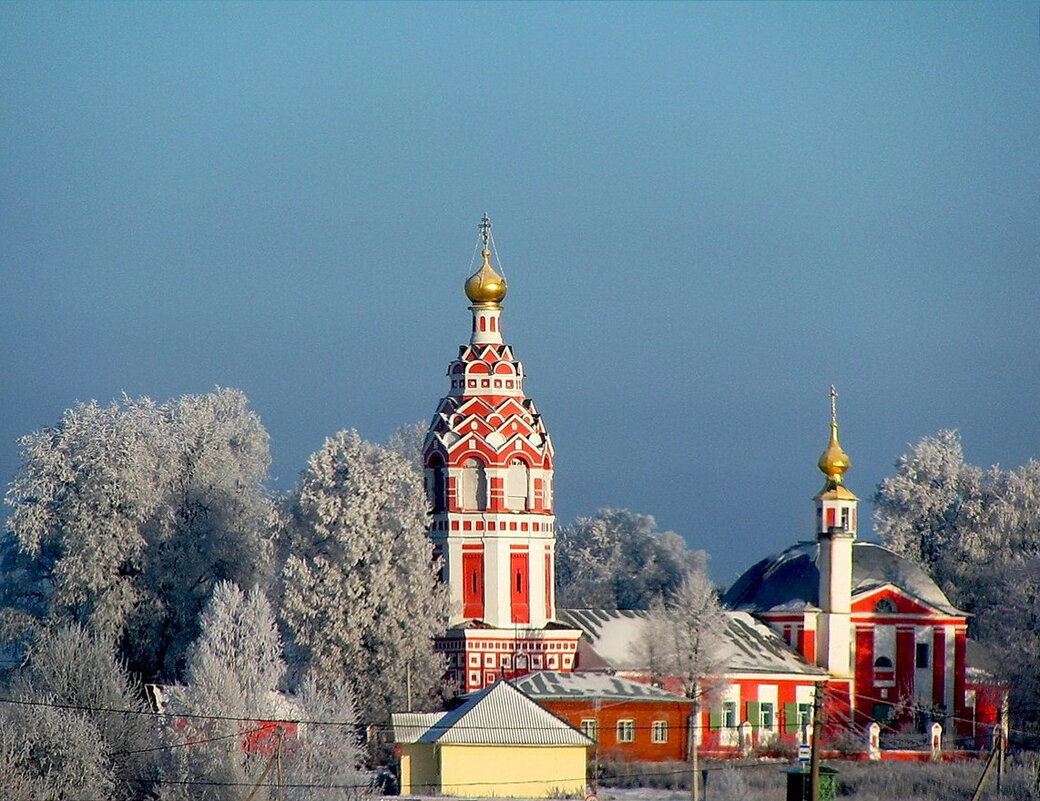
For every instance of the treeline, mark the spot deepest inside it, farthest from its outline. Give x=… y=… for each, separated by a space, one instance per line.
x=977 y=532
x=145 y=547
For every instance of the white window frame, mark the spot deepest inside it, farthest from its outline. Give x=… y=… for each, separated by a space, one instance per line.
x=626 y=731
x=659 y=731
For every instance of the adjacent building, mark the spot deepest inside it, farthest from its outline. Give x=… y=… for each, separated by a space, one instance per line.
x=498 y=743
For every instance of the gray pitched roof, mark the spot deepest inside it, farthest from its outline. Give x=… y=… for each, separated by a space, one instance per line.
x=502 y=715
x=548 y=684
x=410 y=726
x=749 y=646
x=789 y=580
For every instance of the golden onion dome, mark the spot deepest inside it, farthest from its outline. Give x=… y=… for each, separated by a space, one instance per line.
x=834 y=462
x=486 y=285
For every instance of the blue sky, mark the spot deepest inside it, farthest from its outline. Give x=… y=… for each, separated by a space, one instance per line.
x=707 y=214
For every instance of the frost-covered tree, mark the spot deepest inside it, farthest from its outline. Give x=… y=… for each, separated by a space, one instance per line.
x=236 y=668
x=328 y=754
x=978 y=533
x=408 y=441
x=360 y=597
x=124 y=516
x=934 y=503
x=83 y=716
x=53 y=753
x=233 y=676
x=619 y=560
x=235 y=709
x=689 y=627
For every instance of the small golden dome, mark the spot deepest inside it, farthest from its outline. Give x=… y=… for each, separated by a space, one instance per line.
x=834 y=462
x=485 y=285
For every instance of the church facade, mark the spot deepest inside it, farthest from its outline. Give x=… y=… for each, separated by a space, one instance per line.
x=835 y=615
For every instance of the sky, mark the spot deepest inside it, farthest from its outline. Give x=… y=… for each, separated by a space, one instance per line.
x=707 y=214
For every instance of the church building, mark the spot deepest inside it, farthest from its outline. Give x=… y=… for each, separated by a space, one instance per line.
x=853 y=618
x=489 y=471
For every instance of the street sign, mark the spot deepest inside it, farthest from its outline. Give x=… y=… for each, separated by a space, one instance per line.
x=804 y=753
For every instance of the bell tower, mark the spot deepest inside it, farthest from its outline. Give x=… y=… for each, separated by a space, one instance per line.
x=836 y=510
x=489 y=473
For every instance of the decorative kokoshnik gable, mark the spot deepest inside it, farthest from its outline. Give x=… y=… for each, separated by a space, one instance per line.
x=489 y=473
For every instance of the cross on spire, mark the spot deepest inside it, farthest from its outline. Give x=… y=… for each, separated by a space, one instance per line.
x=834 y=404
x=485 y=229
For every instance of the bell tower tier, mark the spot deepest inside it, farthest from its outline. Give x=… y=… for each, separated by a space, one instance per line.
x=489 y=474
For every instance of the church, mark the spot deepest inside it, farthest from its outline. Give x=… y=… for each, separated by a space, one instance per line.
x=832 y=614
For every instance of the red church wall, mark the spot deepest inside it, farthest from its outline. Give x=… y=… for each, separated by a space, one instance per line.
x=520 y=587
x=473 y=581
x=864 y=671
x=960 y=650
x=939 y=667
x=905 y=653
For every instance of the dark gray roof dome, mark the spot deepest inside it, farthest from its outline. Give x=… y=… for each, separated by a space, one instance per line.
x=790 y=580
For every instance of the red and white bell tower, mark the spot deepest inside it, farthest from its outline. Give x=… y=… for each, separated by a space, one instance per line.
x=489 y=474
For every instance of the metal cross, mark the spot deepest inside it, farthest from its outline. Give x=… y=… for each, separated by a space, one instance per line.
x=834 y=404
x=485 y=229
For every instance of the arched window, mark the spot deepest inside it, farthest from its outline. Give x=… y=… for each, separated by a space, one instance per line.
x=516 y=485
x=437 y=489
x=474 y=485
x=882 y=663
x=885 y=605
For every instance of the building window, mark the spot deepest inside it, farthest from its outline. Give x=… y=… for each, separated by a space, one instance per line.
x=590 y=728
x=729 y=714
x=883 y=713
x=516 y=485
x=804 y=716
x=474 y=485
x=437 y=490
x=626 y=731
x=922 y=654
x=767 y=716
x=884 y=605
x=659 y=731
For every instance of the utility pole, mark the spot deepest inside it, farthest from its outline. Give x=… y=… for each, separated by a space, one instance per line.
x=695 y=793
x=1001 y=750
x=817 y=730
x=280 y=773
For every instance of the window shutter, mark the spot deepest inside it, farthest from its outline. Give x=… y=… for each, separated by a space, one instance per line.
x=715 y=720
x=791 y=719
x=754 y=715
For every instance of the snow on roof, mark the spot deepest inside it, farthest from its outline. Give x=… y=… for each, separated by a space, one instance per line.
x=790 y=580
x=410 y=726
x=756 y=648
x=748 y=646
x=173 y=699
x=555 y=685
x=502 y=715
x=612 y=633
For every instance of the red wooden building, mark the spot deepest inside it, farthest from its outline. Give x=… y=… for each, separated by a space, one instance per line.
x=626 y=719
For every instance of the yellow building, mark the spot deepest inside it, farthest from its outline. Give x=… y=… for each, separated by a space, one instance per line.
x=498 y=743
